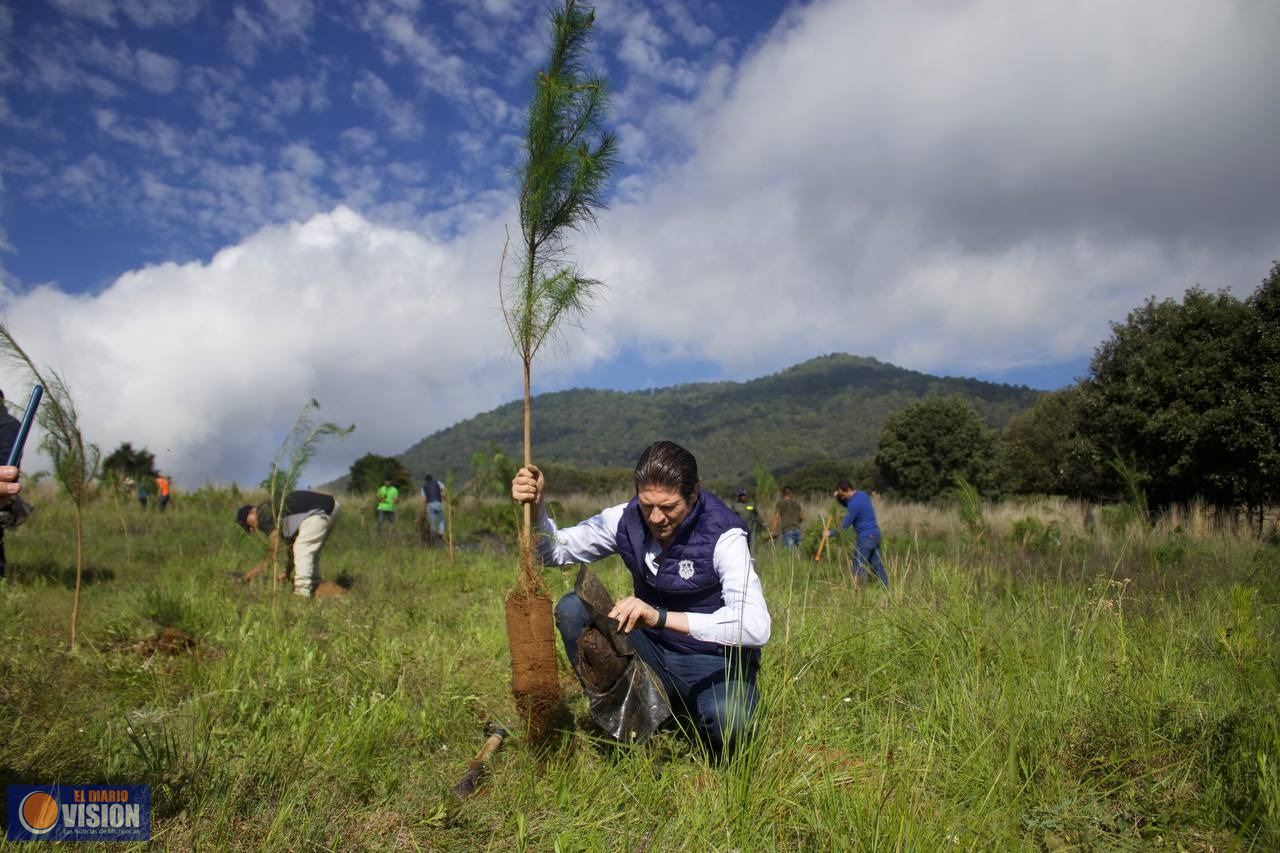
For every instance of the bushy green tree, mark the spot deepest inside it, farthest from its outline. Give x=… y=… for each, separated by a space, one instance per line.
x=1260 y=405
x=1046 y=451
x=1188 y=390
x=928 y=444
x=371 y=470
x=124 y=461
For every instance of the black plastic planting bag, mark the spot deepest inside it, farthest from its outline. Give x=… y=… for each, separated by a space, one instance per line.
x=626 y=697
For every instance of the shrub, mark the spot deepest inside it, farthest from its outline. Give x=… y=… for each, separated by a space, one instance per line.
x=1033 y=534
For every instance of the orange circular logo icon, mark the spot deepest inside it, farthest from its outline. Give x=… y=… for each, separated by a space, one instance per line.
x=38 y=812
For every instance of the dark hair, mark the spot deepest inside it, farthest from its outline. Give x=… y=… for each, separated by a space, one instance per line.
x=242 y=517
x=843 y=484
x=667 y=464
x=427 y=478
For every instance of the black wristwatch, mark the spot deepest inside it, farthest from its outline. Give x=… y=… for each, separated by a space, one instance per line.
x=662 y=619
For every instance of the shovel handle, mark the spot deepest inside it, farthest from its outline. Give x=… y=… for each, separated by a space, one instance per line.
x=476 y=769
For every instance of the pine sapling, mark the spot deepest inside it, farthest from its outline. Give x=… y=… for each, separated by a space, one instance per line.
x=567 y=160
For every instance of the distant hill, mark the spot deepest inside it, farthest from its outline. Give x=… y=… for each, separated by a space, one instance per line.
x=829 y=408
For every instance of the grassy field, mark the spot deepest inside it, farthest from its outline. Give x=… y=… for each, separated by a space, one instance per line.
x=1023 y=686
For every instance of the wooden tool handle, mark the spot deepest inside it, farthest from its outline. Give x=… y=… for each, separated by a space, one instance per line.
x=826 y=525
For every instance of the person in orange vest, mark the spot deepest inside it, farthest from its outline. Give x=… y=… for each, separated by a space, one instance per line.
x=162 y=487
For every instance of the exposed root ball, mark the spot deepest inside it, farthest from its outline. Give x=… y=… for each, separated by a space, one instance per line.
x=167 y=641
x=534 y=682
x=598 y=664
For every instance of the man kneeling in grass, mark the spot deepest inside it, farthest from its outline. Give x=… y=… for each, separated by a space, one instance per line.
x=307 y=521
x=697 y=602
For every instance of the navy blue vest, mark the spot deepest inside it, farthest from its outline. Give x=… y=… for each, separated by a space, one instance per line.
x=686 y=581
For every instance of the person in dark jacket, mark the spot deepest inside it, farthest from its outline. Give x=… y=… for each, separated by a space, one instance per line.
x=433 y=502
x=861 y=516
x=9 y=426
x=697 y=616
x=306 y=521
x=746 y=509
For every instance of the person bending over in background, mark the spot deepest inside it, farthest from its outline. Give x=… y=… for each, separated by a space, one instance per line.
x=697 y=616
x=861 y=516
x=307 y=521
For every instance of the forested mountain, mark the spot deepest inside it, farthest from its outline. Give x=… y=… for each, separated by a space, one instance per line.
x=827 y=409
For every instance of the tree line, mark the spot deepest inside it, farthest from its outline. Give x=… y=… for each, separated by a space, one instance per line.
x=1181 y=403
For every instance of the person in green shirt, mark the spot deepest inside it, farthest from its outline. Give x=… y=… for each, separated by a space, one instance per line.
x=787 y=519
x=387 y=497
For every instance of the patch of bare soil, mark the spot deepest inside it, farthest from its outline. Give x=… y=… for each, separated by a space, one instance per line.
x=167 y=641
x=329 y=589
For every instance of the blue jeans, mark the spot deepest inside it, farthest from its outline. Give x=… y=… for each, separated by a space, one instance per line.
x=791 y=538
x=386 y=515
x=435 y=516
x=717 y=692
x=867 y=553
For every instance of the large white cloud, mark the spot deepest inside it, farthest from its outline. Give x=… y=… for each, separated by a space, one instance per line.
x=955 y=187
x=207 y=364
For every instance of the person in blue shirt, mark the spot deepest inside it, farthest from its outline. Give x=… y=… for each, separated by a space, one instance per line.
x=861 y=516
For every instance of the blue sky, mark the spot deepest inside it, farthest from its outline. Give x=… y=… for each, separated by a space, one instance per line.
x=213 y=211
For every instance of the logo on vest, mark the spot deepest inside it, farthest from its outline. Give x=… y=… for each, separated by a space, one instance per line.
x=686 y=569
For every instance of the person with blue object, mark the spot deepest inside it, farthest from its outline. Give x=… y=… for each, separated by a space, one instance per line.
x=697 y=616
x=861 y=516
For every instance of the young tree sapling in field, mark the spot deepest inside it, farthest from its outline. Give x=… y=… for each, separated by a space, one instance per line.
x=567 y=160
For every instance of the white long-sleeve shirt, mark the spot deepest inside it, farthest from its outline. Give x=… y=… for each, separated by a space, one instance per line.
x=742 y=621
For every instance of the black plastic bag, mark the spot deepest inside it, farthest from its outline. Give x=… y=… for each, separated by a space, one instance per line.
x=627 y=699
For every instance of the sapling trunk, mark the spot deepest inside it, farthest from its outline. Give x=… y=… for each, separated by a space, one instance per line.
x=75 y=598
x=448 y=512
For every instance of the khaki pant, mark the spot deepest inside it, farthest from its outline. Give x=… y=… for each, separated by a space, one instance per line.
x=312 y=534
